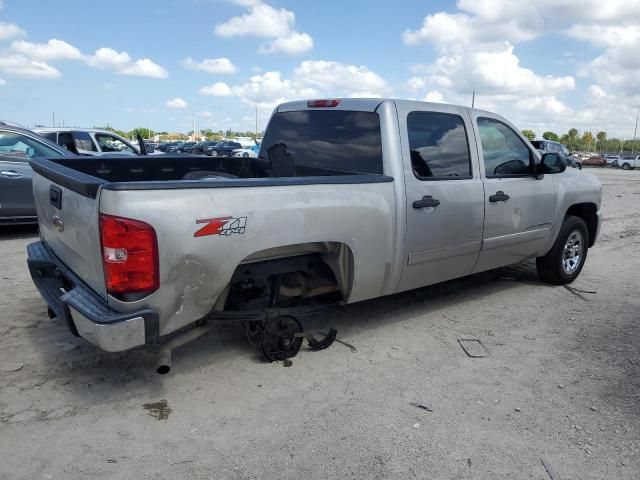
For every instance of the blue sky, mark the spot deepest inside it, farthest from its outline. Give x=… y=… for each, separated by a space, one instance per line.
x=545 y=71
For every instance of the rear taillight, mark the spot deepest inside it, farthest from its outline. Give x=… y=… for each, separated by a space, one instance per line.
x=129 y=255
x=323 y=103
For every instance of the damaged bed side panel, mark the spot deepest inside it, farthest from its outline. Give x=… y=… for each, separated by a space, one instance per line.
x=205 y=234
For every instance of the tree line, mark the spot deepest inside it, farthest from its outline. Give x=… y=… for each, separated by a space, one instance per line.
x=587 y=142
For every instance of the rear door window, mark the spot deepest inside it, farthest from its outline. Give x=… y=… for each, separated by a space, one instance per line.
x=341 y=141
x=438 y=145
x=84 y=142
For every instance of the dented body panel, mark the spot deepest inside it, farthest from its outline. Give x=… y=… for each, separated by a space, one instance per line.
x=194 y=271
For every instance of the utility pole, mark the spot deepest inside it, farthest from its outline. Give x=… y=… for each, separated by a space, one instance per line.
x=635 y=131
x=53 y=118
x=256 y=139
x=194 y=126
x=473 y=99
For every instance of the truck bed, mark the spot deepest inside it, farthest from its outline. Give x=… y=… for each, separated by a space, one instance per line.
x=84 y=175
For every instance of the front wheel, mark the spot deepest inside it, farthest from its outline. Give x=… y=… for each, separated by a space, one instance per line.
x=626 y=166
x=563 y=263
x=579 y=166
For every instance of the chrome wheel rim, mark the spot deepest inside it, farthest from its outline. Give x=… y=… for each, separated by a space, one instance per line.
x=572 y=252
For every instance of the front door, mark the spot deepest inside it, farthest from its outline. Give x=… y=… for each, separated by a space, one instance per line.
x=519 y=207
x=445 y=199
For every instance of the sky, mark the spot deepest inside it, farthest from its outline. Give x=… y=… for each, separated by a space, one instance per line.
x=545 y=65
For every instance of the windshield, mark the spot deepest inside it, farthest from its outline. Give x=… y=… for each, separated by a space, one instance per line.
x=340 y=140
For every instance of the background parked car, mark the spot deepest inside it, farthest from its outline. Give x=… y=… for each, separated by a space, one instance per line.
x=89 y=141
x=186 y=147
x=164 y=146
x=612 y=160
x=545 y=146
x=629 y=163
x=223 y=149
x=251 y=152
x=175 y=147
x=200 y=148
x=595 y=161
x=17 y=147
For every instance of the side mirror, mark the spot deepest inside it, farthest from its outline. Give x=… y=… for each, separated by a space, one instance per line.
x=551 y=163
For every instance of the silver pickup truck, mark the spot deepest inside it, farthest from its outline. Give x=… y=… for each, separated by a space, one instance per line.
x=348 y=200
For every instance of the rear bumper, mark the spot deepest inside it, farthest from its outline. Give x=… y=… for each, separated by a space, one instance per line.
x=86 y=313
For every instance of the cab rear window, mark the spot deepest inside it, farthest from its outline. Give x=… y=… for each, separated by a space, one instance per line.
x=324 y=142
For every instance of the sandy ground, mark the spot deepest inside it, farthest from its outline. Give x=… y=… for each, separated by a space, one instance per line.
x=561 y=384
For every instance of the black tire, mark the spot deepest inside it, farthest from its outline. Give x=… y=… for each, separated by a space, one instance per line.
x=579 y=166
x=550 y=267
x=626 y=166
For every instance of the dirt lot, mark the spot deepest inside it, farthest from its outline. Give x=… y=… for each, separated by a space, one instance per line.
x=561 y=383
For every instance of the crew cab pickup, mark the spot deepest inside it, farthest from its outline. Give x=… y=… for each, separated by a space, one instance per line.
x=348 y=200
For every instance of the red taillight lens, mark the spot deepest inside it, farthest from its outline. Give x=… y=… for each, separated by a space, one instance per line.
x=129 y=255
x=322 y=103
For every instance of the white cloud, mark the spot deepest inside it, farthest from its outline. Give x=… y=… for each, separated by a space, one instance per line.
x=416 y=83
x=122 y=64
x=31 y=57
x=434 y=96
x=457 y=32
x=294 y=44
x=311 y=79
x=269 y=89
x=261 y=21
x=480 y=24
x=10 y=30
x=176 y=103
x=493 y=73
x=340 y=79
x=52 y=50
x=3 y=81
x=265 y=21
x=218 y=89
x=211 y=65
x=204 y=114
x=596 y=92
x=22 y=66
x=617 y=68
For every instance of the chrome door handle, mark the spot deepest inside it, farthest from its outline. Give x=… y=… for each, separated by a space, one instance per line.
x=11 y=174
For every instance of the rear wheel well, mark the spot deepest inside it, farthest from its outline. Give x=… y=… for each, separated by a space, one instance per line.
x=320 y=272
x=587 y=212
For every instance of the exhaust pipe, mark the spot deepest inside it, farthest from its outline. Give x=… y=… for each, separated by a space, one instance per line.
x=164 y=355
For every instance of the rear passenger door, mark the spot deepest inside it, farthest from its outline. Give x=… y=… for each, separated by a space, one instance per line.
x=444 y=195
x=519 y=207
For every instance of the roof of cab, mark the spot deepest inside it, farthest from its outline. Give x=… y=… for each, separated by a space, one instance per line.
x=364 y=105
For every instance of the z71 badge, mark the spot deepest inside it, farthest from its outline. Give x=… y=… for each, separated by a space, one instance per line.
x=221 y=226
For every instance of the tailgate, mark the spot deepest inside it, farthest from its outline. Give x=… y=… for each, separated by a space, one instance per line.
x=69 y=226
